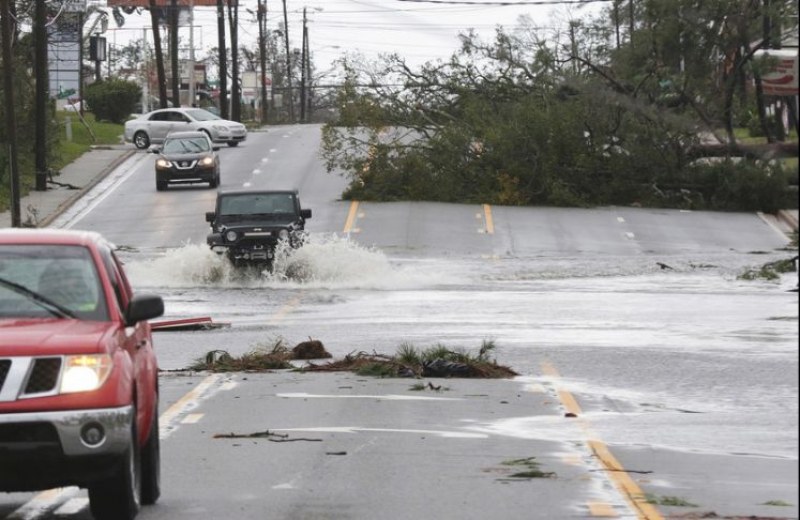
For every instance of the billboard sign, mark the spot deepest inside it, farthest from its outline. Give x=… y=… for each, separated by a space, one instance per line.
x=63 y=54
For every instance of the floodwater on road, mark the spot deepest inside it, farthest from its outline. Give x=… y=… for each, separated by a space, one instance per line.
x=677 y=352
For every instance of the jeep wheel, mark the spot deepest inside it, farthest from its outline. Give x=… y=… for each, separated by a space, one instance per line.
x=151 y=464
x=161 y=185
x=141 y=140
x=233 y=144
x=118 y=496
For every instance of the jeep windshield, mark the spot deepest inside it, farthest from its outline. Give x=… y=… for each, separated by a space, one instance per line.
x=261 y=205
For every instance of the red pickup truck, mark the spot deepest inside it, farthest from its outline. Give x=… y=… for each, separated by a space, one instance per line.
x=78 y=374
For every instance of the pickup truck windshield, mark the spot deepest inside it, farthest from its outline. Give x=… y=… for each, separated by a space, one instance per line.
x=61 y=274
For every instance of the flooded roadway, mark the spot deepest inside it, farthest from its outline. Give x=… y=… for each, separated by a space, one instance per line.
x=686 y=372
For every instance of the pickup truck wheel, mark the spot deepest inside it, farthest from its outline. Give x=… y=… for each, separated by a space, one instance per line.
x=118 y=497
x=151 y=465
x=141 y=140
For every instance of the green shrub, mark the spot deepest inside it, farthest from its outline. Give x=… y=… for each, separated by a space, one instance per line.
x=113 y=99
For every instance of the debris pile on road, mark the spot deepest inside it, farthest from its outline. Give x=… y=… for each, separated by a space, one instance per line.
x=274 y=357
x=438 y=361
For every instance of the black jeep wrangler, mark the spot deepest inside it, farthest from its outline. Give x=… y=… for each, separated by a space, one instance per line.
x=248 y=225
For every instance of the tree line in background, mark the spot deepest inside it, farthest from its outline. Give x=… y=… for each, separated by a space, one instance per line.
x=640 y=105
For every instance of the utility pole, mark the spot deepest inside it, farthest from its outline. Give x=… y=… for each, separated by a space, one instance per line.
x=146 y=67
x=304 y=57
x=42 y=92
x=191 y=54
x=223 y=60
x=261 y=14
x=288 y=62
x=160 y=72
x=631 y=14
x=11 y=118
x=173 y=44
x=236 y=97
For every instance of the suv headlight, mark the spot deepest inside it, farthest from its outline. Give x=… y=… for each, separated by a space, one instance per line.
x=85 y=373
x=163 y=163
x=207 y=161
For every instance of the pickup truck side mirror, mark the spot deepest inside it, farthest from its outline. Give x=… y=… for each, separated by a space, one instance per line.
x=305 y=213
x=143 y=307
x=210 y=215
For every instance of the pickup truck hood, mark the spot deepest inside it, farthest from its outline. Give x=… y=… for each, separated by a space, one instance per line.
x=36 y=337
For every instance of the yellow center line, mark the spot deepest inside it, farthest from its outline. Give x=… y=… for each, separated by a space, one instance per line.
x=487 y=212
x=631 y=491
x=602 y=509
x=285 y=310
x=351 y=216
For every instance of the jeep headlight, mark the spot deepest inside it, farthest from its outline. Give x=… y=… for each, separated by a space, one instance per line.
x=85 y=373
x=283 y=234
x=231 y=236
x=163 y=163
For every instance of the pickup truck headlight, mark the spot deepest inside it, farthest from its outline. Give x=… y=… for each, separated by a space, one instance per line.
x=85 y=373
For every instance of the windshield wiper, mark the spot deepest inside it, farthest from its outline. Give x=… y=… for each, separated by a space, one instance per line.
x=46 y=303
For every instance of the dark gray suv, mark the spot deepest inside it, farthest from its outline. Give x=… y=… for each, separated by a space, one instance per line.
x=187 y=157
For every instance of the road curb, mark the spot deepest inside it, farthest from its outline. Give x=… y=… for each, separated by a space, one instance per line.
x=63 y=206
x=788 y=219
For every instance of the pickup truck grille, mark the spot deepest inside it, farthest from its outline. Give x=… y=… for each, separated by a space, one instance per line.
x=22 y=377
x=44 y=375
x=5 y=365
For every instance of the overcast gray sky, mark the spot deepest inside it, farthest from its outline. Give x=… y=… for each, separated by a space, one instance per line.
x=418 y=30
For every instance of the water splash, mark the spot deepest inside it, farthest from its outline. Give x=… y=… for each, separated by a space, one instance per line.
x=325 y=261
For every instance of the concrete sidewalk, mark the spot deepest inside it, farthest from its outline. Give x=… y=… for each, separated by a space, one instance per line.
x=40 y=208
